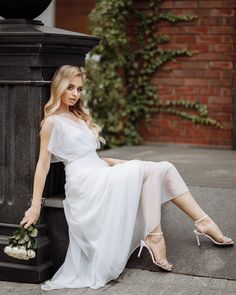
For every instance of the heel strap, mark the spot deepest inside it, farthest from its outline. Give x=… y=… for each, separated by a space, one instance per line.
x=155 y=234
x=196 y=222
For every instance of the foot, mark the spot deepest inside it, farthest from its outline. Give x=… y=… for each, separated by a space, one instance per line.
x=208 y=226
x=158 y=247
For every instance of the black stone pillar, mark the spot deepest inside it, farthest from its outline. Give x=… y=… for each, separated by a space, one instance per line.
x=29 y=55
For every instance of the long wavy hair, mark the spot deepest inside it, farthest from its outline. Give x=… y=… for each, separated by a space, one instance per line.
x=59 y=85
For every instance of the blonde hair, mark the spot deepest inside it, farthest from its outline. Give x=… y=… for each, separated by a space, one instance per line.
x=59 y=85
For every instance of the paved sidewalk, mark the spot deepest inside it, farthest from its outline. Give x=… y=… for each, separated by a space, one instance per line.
x=138 y=282
x=211 y=176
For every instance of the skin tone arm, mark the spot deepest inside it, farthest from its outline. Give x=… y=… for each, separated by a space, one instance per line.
x=42 y=168
x=113 y=162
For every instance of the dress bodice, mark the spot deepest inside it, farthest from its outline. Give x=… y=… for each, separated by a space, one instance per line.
x=71 y=140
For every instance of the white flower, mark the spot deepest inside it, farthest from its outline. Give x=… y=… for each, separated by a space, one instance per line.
x=31 y=253
x=8 y=249
x=22 y=238
x=19 y=253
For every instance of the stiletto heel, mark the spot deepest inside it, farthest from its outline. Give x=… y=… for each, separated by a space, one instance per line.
x=198 y=240
x=141 y=248
x=162 y=263
x=198 y=232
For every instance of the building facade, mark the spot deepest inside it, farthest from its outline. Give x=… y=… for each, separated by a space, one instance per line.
x=207 y=77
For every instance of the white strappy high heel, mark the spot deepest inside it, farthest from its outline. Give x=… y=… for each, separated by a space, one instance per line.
x=198 y=233
x=162 y=263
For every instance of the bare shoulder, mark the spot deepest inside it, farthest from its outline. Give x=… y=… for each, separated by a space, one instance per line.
x=47 y=125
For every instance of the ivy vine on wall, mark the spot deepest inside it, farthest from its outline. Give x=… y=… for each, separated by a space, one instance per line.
x=120 y=69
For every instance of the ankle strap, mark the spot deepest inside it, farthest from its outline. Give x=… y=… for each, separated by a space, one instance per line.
x=155 y=234
x=196 y=222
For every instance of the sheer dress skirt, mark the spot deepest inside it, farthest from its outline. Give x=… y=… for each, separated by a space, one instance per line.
x=109 y=210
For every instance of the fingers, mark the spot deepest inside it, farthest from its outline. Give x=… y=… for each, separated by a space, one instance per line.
x=31 y=217
x=27 y=221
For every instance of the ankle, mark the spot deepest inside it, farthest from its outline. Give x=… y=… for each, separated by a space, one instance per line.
x=154 y=239
x=207 y=220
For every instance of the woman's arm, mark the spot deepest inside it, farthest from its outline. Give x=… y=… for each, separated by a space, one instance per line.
x=42 y=168
x=112 y=162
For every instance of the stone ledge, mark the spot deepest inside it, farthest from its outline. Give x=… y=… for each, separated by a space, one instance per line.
x=54 y=202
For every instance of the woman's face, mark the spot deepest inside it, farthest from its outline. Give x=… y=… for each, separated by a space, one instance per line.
x=73 y=92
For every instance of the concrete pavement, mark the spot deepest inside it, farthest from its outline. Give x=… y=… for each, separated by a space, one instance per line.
x=138 y=282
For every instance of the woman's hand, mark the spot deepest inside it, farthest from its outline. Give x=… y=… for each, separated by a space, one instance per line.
x=31 y=217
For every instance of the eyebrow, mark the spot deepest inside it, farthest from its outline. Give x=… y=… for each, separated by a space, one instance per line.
x=75 y=85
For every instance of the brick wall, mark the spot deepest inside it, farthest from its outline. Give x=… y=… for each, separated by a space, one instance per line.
x=73 y=15
x=207 y=77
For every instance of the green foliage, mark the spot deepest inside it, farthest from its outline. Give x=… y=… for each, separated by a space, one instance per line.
x=24 y=237
x=120 y=69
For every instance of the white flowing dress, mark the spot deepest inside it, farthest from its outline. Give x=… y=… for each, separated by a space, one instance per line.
x=109 y=209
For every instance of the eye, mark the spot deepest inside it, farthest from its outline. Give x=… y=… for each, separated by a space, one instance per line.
x=70 y=87
x=80 y=89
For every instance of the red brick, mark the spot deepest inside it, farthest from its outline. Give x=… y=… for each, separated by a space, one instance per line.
x=212 y=74
x=221 y=82
x=221 y=48
x=230 y=21
x=183 y=11
x=186 y=4
x=209 y=3
x=220 y=108
x=191 y=64
x=221 y=64
x=199 y=29
x=219 y=99
x=173 y=65
x=167 y=4
x=211 y=39
x=206 y=56
x=209 y=90
x=182 y=90
x=200 y=48
x=226 y=118
x=169 y=81
x=203 y=99
x=227 y=75
x=229 y=39
x=228 y=12
x=212 y=21
x=169 y=30
x=226 y=91
x=221 y=30
x=196 y=81
x=164 y=89
x=229 y=3
x=171 y=46
x=162 y=73
x=187 y=73
x=186 y=39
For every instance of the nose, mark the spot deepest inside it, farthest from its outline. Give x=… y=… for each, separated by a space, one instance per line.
x=75 y=92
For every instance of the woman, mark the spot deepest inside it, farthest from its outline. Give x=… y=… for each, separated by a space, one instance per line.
x=111 y=205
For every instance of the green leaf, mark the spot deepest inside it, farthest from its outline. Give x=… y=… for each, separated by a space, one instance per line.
x=34 y=233
x=21 y=242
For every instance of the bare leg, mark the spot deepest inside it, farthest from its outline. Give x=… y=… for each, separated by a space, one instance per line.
x=188 y=204
x=158 y=245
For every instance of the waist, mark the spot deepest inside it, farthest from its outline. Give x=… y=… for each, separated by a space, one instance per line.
x=87 y=157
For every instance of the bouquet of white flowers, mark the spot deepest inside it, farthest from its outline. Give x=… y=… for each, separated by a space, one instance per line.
x=23 y=244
